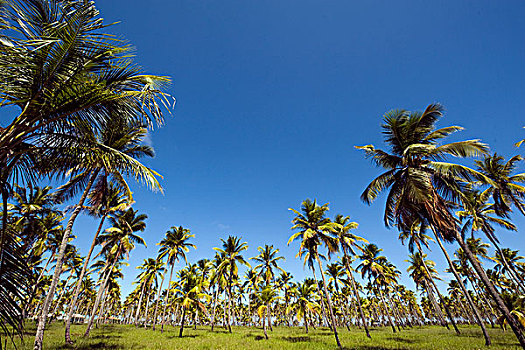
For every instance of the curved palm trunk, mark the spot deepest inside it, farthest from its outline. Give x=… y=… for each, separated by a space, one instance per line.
x=137 y=313
x=483 y=301
x=39 y=337
x=79 y=282
x=35 y=287
x=435 y=305
x=514 y=324
x=395 y=312
x=148 y=298
x=356 y=293
x=447 y=310
x=513 y=274
x=166 y=299
x=100 y=294
x=477 y=315
x=389 y=318
x=328 y=301
x=157 y=302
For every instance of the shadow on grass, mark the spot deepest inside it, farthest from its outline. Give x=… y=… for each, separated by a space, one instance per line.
x=372 y=347
x=183 y=336
x=106 y=336
x=402 y=340
x=297 y=339
x=99 y=345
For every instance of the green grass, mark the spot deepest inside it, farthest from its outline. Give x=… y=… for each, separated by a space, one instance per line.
x=128 y=337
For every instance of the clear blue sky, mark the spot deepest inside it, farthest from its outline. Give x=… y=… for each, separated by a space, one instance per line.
x=273 y=95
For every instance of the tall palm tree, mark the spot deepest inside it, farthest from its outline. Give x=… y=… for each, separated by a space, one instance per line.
x=231 y=255
x=266 y=296
x=416 y=238
x=314 y=229
x=348 y=241
x=477 y=215
x=106 y=200
x=305 y=295
x=503 y=185
x=151 y=269
x=422 y=271
x=508 y=260
x=420 y=182
x=376 y=266
x=174 y=246
x=190 y=294
x=268 y=261
x=117 y=242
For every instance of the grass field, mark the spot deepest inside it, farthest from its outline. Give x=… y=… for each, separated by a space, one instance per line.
x=128 y=337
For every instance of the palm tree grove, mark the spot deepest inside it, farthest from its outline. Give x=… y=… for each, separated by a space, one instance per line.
x=107 y=244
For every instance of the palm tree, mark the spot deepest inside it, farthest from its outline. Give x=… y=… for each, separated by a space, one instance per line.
x=175 y=245
x=503 y=185
x=477 y=216
x=231 y=255
x=422 y=271
x=151 y=268
x=266 y=296
x=420 y=182
x=376 y=266
x=314 y=229
x=189 y=294
x=268 y=261
x=106 y=200
x=348 y=241
x=304 y=301
x=416 y=237
x=116 y=243
x=508 y=260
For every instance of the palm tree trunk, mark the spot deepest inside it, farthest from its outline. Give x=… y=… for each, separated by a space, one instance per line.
x=100 y=293
x=79 y=282
x=490 y=312
x=268 y=314
x=166 y=299
x=447 y=310
x=306 y=319
x=264 y=324
x=39 y=337
x=216 y=295
x=435 y=305
x=514 y=324
x=463 y=288
x=137 y=313
x=356 y=293
x=157 y=302
x=229 y=299
x=512 y=272
x=328 y=301
x=325 y=318
x=35 y=287
x=148 y=298
x=389 y=318
x=182 y=321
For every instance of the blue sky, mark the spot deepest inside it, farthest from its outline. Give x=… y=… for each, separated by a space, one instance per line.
x=273 y=95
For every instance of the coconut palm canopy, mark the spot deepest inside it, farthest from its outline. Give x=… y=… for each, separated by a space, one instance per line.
x=420 y=224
